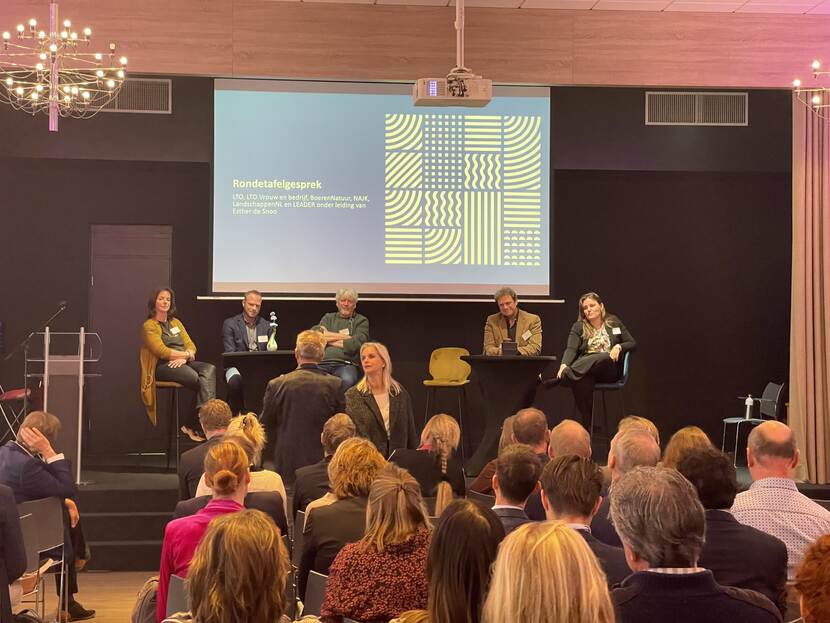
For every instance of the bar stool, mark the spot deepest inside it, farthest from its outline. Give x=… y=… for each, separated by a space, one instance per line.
x=447 y=370
x=173 y=388
x=602 y=388
x=13 y=419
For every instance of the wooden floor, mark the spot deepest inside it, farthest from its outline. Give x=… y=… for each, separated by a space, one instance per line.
x=110 y=593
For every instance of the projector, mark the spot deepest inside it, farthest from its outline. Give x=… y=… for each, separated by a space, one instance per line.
x=454 y=90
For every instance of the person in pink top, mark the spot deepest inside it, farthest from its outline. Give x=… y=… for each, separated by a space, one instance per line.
x=226 y=472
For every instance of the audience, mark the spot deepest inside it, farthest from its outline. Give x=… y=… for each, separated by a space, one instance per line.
x=433 y=465
x=332 y=524
x=12 y=551
x=238 y=573
x=812 y=580
x=686 y=439
x=571 y=487
x=384 y=573
x=32 y=469
x=633 y=445
x=312 y=481
x=226 y=471
x=249 y=433
x=483 y=482
x=214 y=416
x=518 y=469
x=642 y=422
x=662 y=525
x=773 y=504
x=736 y=554
x=461 y=555
x=545 y=573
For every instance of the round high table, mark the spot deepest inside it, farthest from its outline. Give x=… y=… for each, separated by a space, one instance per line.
x=506 y=382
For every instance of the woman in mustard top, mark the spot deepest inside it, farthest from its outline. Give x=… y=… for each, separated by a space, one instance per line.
x=170 y=355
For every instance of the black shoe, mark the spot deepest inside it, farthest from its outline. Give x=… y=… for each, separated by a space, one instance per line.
x=78 y=613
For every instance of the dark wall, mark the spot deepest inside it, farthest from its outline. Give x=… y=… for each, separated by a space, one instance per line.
x=684 y=231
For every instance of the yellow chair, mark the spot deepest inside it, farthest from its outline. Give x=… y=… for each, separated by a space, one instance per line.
x=447 y=371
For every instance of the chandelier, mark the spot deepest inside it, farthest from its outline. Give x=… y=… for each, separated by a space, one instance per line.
x=818 y=97
x=55 y=73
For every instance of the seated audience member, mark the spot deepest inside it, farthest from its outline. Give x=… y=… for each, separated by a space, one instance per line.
x=433 y=465
x=238 y=573
x=736 y=554
x=517 y=474
x=545 y=573
x=379 y=405
x=330 y=525
x=226 y=470
x=483 y=483
x=245 y=332
x=268 y=502
x=12 y=551
x=249 y=433
x=567 y=438
x=312 y=481
x=214 y=416
x=631 y=447
x=32 y=469
x=686 y=439
x=662 y=526
x=642 y=422
x=345 y=331
x=571 y=487
x=390 y=558
x=812 y=579
x=461 y=556
x=297 y=404
x=773 y=504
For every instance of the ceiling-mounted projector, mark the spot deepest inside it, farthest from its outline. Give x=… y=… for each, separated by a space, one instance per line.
x=461 y=87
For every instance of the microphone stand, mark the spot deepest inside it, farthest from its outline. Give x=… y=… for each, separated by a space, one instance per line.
x=24 y=346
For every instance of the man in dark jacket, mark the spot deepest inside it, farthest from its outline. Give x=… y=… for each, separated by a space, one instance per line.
x=242 y=333
x=518 y=469
x=214 y=417
x=12 y=551
x=297 y=405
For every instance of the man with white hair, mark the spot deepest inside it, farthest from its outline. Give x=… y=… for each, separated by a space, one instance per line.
x=773 y=504
x=662 y=525
x=345 y=331
x=631 y=447
x=297 y=405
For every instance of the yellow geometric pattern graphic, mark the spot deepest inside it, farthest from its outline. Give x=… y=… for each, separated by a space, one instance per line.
x=463 y=190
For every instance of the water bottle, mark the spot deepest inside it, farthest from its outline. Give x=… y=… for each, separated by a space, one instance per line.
x=748 y=407
x=272 y=337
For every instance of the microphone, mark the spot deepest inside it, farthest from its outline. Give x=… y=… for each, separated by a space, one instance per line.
x=62 y=305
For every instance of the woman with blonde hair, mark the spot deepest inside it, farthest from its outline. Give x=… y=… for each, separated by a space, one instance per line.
x=238 y=573
x=249 y=433
x=433 y=465
x=390 y=558
x=687 y=438
x=226 y=473
x=546 y=573
x=341 y=519
x=380 y=406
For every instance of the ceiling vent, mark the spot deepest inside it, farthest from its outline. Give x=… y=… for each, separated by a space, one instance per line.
x=697 y=108
x=153 y=96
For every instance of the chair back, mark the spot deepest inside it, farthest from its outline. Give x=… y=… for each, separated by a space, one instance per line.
x=47 y=517
x=177 y=599
x=823 y=503
x=30 y=542
x=481 y=498
x=297 y=551
x=445 y=364
x=770 y=407
x=315 y=593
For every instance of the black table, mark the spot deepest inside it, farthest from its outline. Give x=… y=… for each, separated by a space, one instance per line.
x=257 y=367
x=507 y=383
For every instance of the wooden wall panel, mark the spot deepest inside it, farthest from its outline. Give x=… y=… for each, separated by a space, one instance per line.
x=356 y=41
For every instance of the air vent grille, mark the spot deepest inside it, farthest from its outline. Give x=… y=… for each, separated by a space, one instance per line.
x=690 y=108
x=152 y=96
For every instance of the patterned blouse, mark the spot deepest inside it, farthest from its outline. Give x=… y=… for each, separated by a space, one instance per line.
x=600 y=341
x=366 y=585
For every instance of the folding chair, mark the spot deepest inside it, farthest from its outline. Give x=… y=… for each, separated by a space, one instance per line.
x=177 y=600
x=44 y=523
x=481 y=498
x=315 y=593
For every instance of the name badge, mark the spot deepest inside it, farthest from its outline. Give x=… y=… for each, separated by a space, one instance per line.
x=616 y=330
x=174 y=330
x=344 y=331
x=262 y=339
x=526 y=335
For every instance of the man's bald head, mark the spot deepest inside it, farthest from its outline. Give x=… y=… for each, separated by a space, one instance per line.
x=771 y=450
x=630 y=448
x=530 y=427
x=569 y=438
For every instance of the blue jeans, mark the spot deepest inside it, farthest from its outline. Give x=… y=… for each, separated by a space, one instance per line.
x=349 y=373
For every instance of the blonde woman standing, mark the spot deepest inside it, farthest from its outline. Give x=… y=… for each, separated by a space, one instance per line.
x=433 y=464
x=383 y=574
x=546 y=573
x=380 y=406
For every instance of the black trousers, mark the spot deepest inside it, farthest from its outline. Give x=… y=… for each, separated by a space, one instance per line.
x=195 y=375
x=236 y=393
x=586 y=372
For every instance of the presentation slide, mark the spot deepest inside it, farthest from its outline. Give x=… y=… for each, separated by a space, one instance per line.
x=321 y=185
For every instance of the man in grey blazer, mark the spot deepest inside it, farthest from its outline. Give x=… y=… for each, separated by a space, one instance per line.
x=241 y=333
x=518 y=469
